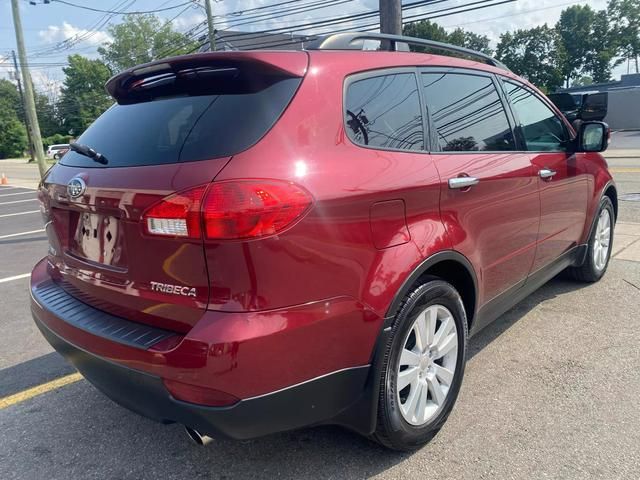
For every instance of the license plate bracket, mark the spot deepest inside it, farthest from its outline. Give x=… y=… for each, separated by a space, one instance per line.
x=98 y=238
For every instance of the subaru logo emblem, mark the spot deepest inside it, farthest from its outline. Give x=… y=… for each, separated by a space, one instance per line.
x=76 y=187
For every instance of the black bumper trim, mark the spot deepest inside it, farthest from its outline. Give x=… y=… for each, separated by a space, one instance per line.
x=53 y=298
x=314 y=402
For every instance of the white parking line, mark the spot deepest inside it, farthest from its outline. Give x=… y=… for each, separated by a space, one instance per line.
x=16 y=277
x=17 y=193
x=21 y=234
x=19 y=213
x=17 y=186
x=19 y=201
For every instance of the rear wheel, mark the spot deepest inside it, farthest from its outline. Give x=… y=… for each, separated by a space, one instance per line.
x=599 y=247
x=423 y=366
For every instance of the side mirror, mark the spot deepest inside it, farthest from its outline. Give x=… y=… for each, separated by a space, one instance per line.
x=593 y=137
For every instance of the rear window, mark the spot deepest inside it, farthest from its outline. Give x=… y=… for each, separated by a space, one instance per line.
x=384 y=112
x=185 y=128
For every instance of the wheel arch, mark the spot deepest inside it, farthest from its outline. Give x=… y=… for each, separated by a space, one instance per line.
x=450 y=266
x=611 y=192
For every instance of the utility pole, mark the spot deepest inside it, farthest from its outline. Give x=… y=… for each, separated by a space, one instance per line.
x=391 y=16
x=30 y=103
x=24 y=106
x=212 y=30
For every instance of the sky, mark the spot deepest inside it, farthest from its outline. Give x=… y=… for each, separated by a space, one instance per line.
x=47 y=25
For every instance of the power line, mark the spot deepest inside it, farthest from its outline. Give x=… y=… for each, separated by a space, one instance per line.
x=317 y=26
x=87 y=33
x=139 y=12
x=334 y=20
x=304 y=8
x=515 y=14
x=479 y=4
x=193 y=34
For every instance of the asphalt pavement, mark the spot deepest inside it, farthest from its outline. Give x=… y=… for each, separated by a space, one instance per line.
x=551 y=390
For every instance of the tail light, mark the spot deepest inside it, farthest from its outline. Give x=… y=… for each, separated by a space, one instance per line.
x=177 y=215
x=229 y=210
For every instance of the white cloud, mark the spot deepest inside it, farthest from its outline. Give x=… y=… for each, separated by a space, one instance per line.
x=183 y=23
x=55 y=33
x=493 y=21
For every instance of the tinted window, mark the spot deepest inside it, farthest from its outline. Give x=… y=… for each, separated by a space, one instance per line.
x=542 y=129
x=385 y=112
x=467 y=112
x=184 y=128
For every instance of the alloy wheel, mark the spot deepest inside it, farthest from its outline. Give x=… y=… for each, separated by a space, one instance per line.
x=602 y=240
x=427 y=365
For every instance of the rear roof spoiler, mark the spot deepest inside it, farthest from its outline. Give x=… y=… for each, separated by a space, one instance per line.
x=284 y=64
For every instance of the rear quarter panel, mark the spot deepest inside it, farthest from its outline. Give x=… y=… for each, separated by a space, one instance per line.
x=331 y=252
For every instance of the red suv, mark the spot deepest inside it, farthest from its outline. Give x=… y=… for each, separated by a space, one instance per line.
x=250 y=242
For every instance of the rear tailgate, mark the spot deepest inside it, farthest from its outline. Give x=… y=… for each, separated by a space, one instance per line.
x=176 y=125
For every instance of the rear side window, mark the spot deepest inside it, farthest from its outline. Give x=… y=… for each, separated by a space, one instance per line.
x=467 y=112
x=542 y=129
x=384 y=112
x=185 y=128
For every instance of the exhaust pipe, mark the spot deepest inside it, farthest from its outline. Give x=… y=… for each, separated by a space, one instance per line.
x=197 y=437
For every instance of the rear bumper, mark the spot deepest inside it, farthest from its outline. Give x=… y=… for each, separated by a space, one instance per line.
x=309 y=403
x=132 y=375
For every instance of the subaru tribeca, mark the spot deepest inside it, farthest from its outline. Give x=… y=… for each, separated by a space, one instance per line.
x=251 y=242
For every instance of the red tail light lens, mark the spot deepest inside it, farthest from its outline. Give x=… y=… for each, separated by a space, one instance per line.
x=228 y=210
x=177 y=215
x=252 y=208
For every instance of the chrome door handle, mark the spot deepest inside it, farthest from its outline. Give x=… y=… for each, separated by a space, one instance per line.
x=463 y=182
x=546 y=173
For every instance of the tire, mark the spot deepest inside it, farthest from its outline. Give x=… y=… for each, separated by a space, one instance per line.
x=56 y=156
x=396 y=427
x=591 y=270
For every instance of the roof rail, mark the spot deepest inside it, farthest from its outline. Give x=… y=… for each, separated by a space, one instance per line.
x=355 y=41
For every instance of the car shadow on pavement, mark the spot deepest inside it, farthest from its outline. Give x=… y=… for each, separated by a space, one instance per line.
x=33 y=372
x=77 y=429
x=554 y=288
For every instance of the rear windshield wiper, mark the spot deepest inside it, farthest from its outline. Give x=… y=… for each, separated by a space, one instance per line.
x=88 y=152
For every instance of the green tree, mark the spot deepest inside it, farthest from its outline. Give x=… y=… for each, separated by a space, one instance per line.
x=625 y=20
x=575 y=30
x=582 y=81
x=427 y=30
x=10 y=98
x=13 y=135
x=83 y=97
x=432 y=31
x=600 y=59
x=464 y=38
x=533 y=54
x=141 y=39
x=47 y=116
